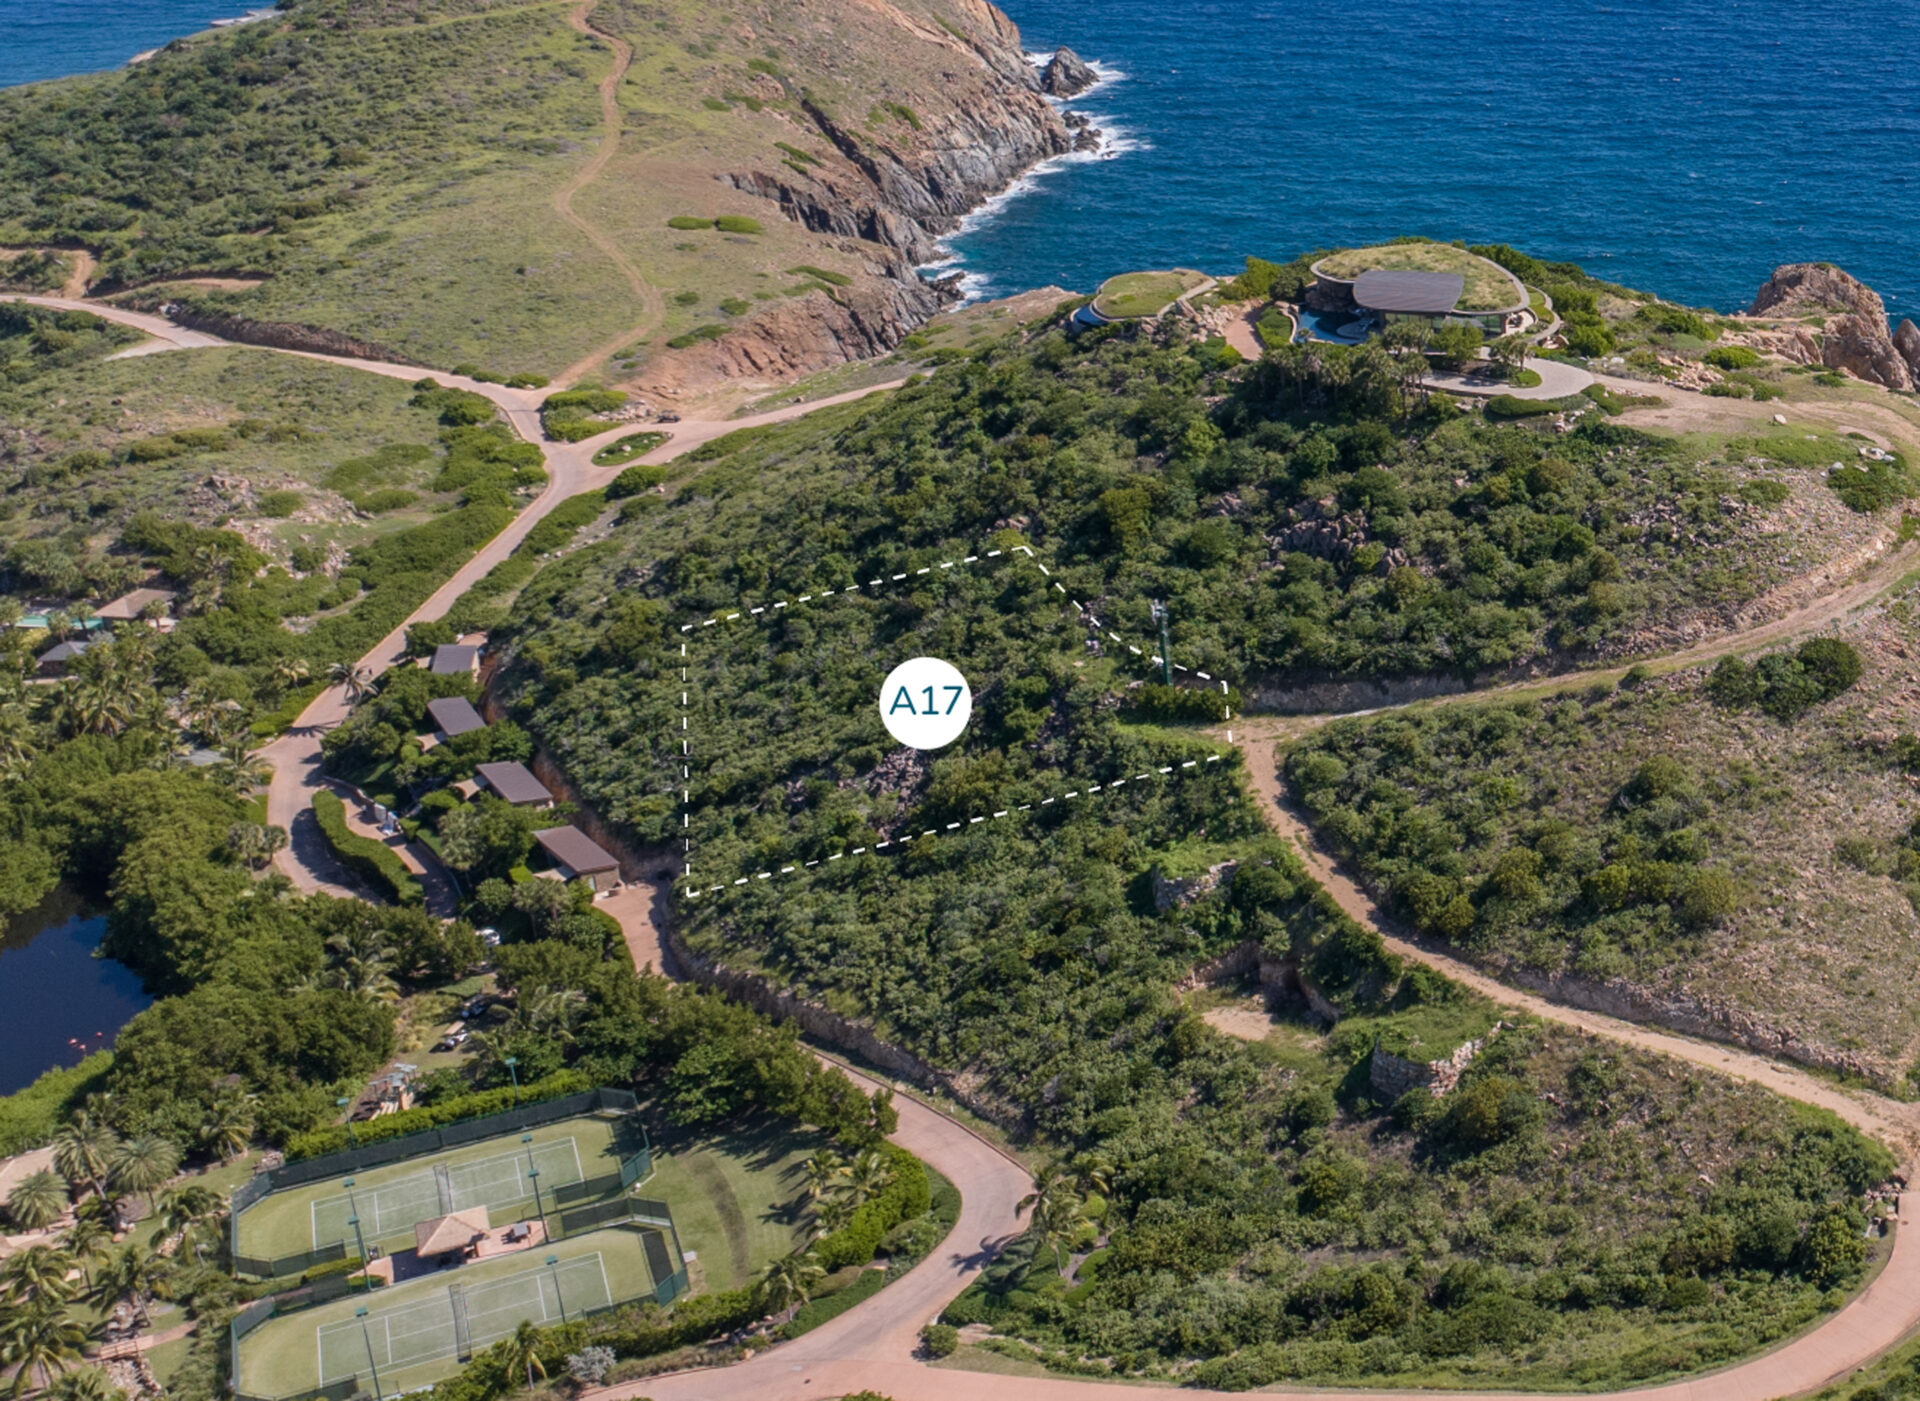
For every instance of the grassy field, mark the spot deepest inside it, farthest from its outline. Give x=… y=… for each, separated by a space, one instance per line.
x=736 y=1196
x=411 y=1330
x=271 y=431
x=1489 y=286
x=1144 y=293
x=392 y=1199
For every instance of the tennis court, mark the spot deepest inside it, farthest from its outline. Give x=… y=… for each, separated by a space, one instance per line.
x=394 y=1198
x=416 y=1333
x=458 y=1320
x=497 y=1182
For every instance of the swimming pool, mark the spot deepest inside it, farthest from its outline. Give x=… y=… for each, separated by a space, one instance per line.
x=1325 y=326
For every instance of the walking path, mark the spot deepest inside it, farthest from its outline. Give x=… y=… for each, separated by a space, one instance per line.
x=1557 y=381
x=871 y=1347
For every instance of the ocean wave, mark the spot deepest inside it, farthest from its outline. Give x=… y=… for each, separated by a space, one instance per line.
x=1115 y=141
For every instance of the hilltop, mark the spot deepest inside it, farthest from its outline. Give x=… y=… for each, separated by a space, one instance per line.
x=658 y=195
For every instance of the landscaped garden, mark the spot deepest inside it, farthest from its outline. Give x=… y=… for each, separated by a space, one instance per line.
x=1135 y=294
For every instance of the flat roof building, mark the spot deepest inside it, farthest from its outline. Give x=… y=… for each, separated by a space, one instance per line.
x=514 y=783
x=579 y=856
x=455 y=659
x=453 y=716
x=1417 y=293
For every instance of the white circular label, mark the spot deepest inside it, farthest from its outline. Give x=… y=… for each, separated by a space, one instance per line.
x=925 y=703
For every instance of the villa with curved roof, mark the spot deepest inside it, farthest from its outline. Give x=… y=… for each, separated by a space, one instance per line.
x=1428 y=281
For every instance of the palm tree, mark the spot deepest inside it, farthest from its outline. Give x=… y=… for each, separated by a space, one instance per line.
x=788 y=1281
x=37 y=1200
x=830 y=1213
x=523 y=1351
x=360 y=961
x=823 y=1171
x=143 y=1163
x=358 y=681
x=85 y=1239
x=244 y=770
x=228 y=1127
x=1509 y=352
x=186 y=1207
x=18 y=743
x=868 y=1176
x=83 y=1151
x=37 y=1275
x=131 y=1272
x=1055 y=1207
x=288 y=673
x=93 y=703
x=84 y=1384
x=40 y=1338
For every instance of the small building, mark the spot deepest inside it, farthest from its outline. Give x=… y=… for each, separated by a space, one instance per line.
x=455 y=659
x=1400 y=296
x=514 y=783
x=455 y=1233
x=57 y=658
x=579 y=857
x=453 y=716
x=132 y=607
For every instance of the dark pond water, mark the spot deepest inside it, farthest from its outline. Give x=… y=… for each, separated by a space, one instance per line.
x=57 y=1001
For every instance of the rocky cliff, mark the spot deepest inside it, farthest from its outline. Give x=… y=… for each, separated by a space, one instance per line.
x=1853 y=335
x=885 y=176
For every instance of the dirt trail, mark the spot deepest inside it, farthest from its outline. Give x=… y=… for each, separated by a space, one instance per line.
x=643 y=291
x=82 y=274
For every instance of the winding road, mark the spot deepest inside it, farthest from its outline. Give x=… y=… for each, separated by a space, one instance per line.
x=872 y=1346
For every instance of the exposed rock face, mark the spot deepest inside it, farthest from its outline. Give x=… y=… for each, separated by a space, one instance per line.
x=1066 y=75
x=1906 y=340
x=1855 y=336
x=282 y=335
x=1859 y=344
x=1796 y=343
x=889 y=189
x=1801 y=289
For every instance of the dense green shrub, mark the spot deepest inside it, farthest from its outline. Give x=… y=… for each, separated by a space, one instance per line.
x=689 y=221
x=1732 y=357
x=1507 y=406
x=557 y=528
x=1871 y=486
x=815 y=1312
x=30 y=1117
x=907 y=1196
x=826 y=275
x=334 y=1137
x=567 y=416
x=373 y=861
x=634 y=480
x=1180 y=704
x=737 y=224
x=1786 y=684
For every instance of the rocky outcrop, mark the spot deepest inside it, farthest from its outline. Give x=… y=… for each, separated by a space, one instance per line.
x=1794 y=343
x=1854 y=337
x=1859 y=344
x=1906 y=340
x=1392 y=1076
x=1066 y=75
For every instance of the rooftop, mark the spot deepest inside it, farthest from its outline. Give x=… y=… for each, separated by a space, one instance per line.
x=129 y=606
x=454 y=716
x=447 y=1233
x=453 y=659
x=514 y=783
x=575 y=850
x=1489 y=287
x=1433 y=292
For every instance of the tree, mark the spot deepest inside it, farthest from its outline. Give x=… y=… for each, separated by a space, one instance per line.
x=1510 y=352
x=359 y=682
x=39 y=1339
x=186 y=1207
x=542 y=902
x=360 y=962
x=1054 y=1204
x=19 y=744
x=142 y=1164
x=788 y=1282
x=1455 y=343
x=521 y=1351
x=129 y=1273
x=37 y=1200
x=87 y=1238
x=83 y=1151
x=823 y=1170
x=832 y=1213
x=84 y=1384
x=229 y=1124
x=39 y=1274
x=868 y=1176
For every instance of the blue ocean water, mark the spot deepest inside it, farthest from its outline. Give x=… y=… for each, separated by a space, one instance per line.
x=55 y=38
x=1682 y=146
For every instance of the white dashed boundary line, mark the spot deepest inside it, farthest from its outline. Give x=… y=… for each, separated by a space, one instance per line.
x=768 y=611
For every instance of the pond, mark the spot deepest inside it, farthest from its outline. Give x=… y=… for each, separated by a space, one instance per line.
x=61 y=1002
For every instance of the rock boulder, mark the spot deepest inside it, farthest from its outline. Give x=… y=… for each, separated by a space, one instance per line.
x=1906 y=340
x=1801 y=289
x=1859 y=344
x=1066 y=75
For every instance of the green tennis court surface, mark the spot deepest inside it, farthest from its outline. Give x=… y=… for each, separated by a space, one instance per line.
x=459 y=1320
x=393 y=1199
x=418 y=1331
x=496 y=1182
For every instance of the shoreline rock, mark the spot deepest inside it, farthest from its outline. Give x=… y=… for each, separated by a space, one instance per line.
x=1067 y=75
x=1855 y=336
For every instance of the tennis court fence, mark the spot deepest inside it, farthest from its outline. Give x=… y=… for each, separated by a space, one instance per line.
x=636 y=1165
x=654 y=1217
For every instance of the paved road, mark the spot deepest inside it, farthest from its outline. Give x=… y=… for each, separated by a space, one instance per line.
x=1557 y=381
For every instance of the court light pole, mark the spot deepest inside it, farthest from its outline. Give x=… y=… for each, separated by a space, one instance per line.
x=513 y=1063
x=553 y=1266
x=354 y=1221
x=367 y=1334
x=533 y=1172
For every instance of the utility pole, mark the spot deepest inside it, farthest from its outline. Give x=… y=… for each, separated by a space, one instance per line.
x=1166 y=647
x=367 y=1334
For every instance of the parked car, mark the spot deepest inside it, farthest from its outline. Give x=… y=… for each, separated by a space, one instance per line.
x=453 y=1040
